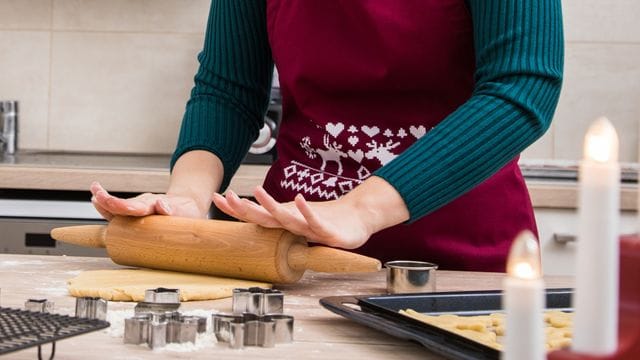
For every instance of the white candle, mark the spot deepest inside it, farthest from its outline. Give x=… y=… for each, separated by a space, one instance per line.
x=596 y=291
x=524 y=301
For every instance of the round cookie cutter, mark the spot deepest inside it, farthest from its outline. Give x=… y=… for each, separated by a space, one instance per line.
x=407 y=276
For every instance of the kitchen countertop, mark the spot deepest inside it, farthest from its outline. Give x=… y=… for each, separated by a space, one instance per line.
x=318 y=333
x=149 y=173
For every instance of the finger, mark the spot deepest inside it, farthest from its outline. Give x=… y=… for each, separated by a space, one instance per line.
x=95 y=187
x=313 y=220
x=138 y=206
x=222 y=204
x=236 y=204
x=104 y=213
x=260 y=215
x=162 y=207
x=321 y=230
x=266 y=200
x=118 y=206
x=251 y=212
x=287 y=219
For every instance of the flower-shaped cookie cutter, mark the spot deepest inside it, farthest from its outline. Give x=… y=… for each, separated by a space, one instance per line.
x=256 y=300
x=253 y=330
x=257 y=319
x=157 y=322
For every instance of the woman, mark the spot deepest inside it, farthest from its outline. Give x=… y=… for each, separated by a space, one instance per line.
x=402 y=123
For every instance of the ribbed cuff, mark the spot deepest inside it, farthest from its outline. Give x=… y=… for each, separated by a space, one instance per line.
x=215 y=127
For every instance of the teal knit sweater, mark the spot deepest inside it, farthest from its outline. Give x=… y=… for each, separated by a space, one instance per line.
x=519 y=61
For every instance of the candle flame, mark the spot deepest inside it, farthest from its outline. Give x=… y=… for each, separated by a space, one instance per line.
x=524 y=270
x=601 y=142
x=524 y=257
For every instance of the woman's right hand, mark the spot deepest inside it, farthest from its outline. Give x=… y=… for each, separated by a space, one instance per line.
x=144 y=204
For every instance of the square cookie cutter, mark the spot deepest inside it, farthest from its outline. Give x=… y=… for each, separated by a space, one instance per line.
x=91 y=308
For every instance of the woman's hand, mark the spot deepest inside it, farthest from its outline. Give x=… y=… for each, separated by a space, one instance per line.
x=328 y=222
x=196 y=176
x=346 y=223
x=145 y=204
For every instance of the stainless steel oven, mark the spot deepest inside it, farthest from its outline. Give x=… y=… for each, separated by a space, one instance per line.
x=27 y=217
x=263 y=150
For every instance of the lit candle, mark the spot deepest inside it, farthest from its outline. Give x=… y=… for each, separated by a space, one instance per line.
x=524 y=301
x=596 y=291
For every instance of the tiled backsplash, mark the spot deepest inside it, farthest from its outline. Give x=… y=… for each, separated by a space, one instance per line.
x=114 y=75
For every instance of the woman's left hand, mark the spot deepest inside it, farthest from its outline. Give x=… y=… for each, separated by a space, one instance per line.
x=345 y=223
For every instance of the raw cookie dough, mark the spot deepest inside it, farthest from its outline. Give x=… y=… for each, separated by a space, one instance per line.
x=130 y=284
x=489 y=329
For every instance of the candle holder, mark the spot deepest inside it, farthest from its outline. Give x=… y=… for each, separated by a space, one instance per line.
x=628 y=310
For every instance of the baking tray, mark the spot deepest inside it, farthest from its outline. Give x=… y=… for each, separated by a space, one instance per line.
x=380 y=312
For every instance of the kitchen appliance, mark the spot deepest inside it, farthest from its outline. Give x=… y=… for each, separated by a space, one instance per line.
x=216 y=247
x=27 y=217
x=263 y=149
x=9 y=127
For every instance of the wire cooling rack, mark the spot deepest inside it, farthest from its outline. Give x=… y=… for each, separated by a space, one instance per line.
x=21 y=329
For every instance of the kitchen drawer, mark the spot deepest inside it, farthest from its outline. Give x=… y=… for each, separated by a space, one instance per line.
x=556 y=226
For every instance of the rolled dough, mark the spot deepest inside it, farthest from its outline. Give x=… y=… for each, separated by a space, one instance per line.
x=130 y=284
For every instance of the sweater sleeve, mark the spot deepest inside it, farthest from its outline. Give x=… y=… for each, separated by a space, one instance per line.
x=231 y=91
x=519 y=62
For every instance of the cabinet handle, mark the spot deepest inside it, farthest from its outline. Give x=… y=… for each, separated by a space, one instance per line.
x=564 y=238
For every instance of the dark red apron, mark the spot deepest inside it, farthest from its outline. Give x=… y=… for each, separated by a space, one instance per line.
x=361 y=81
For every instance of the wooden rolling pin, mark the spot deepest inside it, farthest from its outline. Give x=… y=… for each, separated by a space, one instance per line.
x=213 y=247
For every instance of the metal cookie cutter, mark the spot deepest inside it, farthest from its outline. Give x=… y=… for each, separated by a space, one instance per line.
x=159 y=300
x=156 y=321
x=257 y=319
x=157 y=330
x=39 y=305
x=91 y=308
x=256 y=300
x=253 y=330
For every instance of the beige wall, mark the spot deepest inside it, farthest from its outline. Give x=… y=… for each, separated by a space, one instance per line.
x=602 y=77
x=114 y=75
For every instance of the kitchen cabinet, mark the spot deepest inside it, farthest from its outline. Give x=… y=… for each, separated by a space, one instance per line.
x=557 y=229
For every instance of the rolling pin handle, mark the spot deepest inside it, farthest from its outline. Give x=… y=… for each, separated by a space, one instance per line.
x=329 y=260
x=83 y=235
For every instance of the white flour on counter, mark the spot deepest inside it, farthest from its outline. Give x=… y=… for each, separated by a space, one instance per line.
x=54 y=291
x=11 y=263
x=205 y=340
x=116 y=319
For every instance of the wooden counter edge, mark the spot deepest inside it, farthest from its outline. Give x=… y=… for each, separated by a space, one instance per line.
x=564 y=195
x=116 y=180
